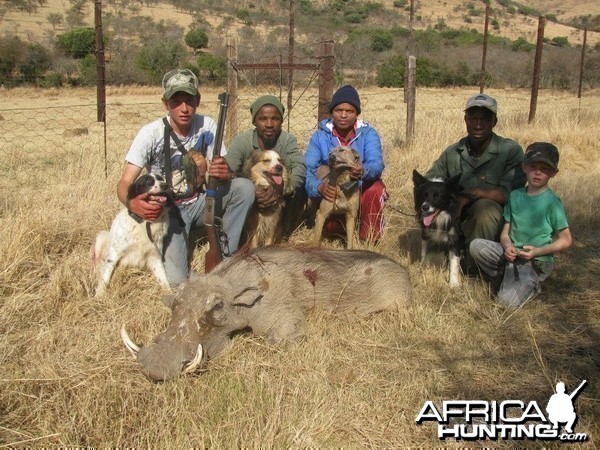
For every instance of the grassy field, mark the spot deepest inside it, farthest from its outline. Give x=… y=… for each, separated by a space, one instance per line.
x=67 y=380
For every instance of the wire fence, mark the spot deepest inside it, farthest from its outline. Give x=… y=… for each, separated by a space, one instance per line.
x=42 y=144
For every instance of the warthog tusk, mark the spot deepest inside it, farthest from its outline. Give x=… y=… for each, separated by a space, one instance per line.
x=131 y=346
x=194 y=363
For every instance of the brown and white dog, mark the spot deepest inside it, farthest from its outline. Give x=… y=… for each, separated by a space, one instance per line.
x=265 y=168
x=337 y=173
x=133 y=241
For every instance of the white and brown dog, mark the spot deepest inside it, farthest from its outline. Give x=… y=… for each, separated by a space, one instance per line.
x=264 y=169
x=133 y=241
x=337 y=173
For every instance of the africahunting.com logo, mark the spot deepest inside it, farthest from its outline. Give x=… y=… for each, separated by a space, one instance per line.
x=508 y=419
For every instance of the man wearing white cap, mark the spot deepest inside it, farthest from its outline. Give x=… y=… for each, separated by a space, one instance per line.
x=184 y=131
x=490 y=167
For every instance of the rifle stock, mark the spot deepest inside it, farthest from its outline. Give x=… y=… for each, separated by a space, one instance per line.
x=214 y=255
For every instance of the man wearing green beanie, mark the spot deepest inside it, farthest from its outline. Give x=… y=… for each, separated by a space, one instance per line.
x=267 y=117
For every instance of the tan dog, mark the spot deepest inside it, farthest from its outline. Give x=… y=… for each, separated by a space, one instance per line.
x=264 y=169
x=337 y=173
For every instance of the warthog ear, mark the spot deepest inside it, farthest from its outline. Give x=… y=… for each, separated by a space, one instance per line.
x=247 y=297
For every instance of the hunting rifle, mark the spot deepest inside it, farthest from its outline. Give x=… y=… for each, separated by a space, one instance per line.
x=214 y=255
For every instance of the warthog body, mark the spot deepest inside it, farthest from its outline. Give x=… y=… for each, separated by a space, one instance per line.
x=270 y=291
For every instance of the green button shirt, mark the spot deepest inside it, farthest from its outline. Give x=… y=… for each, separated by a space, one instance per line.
x=499 y=167
x=245 y=143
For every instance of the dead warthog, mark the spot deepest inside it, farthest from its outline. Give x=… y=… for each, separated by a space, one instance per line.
x=268 y=290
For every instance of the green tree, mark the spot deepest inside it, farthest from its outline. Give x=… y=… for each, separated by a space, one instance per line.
x=87 y=71
x=214 y=67
x=11 y=49
x=78 y=42
x=55 y=19
x=159 y=56
x=382 y=40
x=196 y=39
x=391 y=73
x=35 y=63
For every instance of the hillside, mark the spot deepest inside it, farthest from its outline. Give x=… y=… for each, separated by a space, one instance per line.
x=35 y=26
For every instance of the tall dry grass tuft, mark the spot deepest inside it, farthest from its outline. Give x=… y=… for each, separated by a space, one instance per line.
x=66 y=380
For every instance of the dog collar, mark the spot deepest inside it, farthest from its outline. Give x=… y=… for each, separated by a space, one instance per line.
x=138 y=219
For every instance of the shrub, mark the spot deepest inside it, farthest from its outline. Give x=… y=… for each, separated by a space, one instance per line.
x=391 y=73
x=400 y=3
x=243 y=14
x=521 y=45
x=51 y=80
x=78 y=42
x=11 y=49
x=381 y=41
x=35 y=63
x=159 y=56
x=196 y=39
x=306 y=7
x=560 y=41
x=214 y=67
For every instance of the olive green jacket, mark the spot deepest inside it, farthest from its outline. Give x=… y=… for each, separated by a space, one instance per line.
x=499 y=167
x=245 y=143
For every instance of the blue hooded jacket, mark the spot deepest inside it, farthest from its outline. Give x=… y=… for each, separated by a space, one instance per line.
x=366 y=142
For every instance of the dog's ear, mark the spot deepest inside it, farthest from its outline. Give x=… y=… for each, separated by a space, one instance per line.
x=252 y=159
x=356 y=155
x=418 y=178
x=138 y=186
x=453 y=183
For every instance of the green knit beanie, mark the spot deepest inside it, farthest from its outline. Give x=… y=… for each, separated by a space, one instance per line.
x=266 y=100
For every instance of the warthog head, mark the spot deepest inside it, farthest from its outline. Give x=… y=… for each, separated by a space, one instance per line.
x=204 y=315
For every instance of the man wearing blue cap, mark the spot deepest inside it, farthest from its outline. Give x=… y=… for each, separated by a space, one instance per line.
x=490 y=167
x=267 y=117
x=345 y=128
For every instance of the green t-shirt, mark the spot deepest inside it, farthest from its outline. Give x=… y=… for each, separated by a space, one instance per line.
x=534 y=219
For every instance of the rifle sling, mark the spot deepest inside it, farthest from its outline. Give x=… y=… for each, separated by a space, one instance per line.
x=168 y=154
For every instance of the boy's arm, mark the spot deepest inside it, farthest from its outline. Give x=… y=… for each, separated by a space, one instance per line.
x=510 y=251
x=562 y=242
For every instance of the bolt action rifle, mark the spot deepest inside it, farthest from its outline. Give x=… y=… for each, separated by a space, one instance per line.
x=214 y=255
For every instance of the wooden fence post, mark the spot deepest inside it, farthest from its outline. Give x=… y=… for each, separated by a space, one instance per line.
x=326 y=68
x=482 y=75
x=232 y=89
x=411 y=98
x=537 y=62
x=582 y=63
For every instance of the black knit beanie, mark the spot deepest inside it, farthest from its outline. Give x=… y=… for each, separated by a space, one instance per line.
x=345 y=94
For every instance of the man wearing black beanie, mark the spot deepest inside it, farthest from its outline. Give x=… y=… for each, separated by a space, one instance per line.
x=344 y=128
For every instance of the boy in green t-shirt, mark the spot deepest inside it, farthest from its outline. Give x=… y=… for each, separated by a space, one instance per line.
x=535 y=227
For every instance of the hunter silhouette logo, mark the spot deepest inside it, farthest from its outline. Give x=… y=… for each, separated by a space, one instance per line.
x=560 y=407
x=507 y=419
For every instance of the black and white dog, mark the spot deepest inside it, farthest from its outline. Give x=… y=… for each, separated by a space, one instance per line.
x=436 y=205
x=133 y=241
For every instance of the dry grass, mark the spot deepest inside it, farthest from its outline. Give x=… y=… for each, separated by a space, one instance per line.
x=66 y=379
